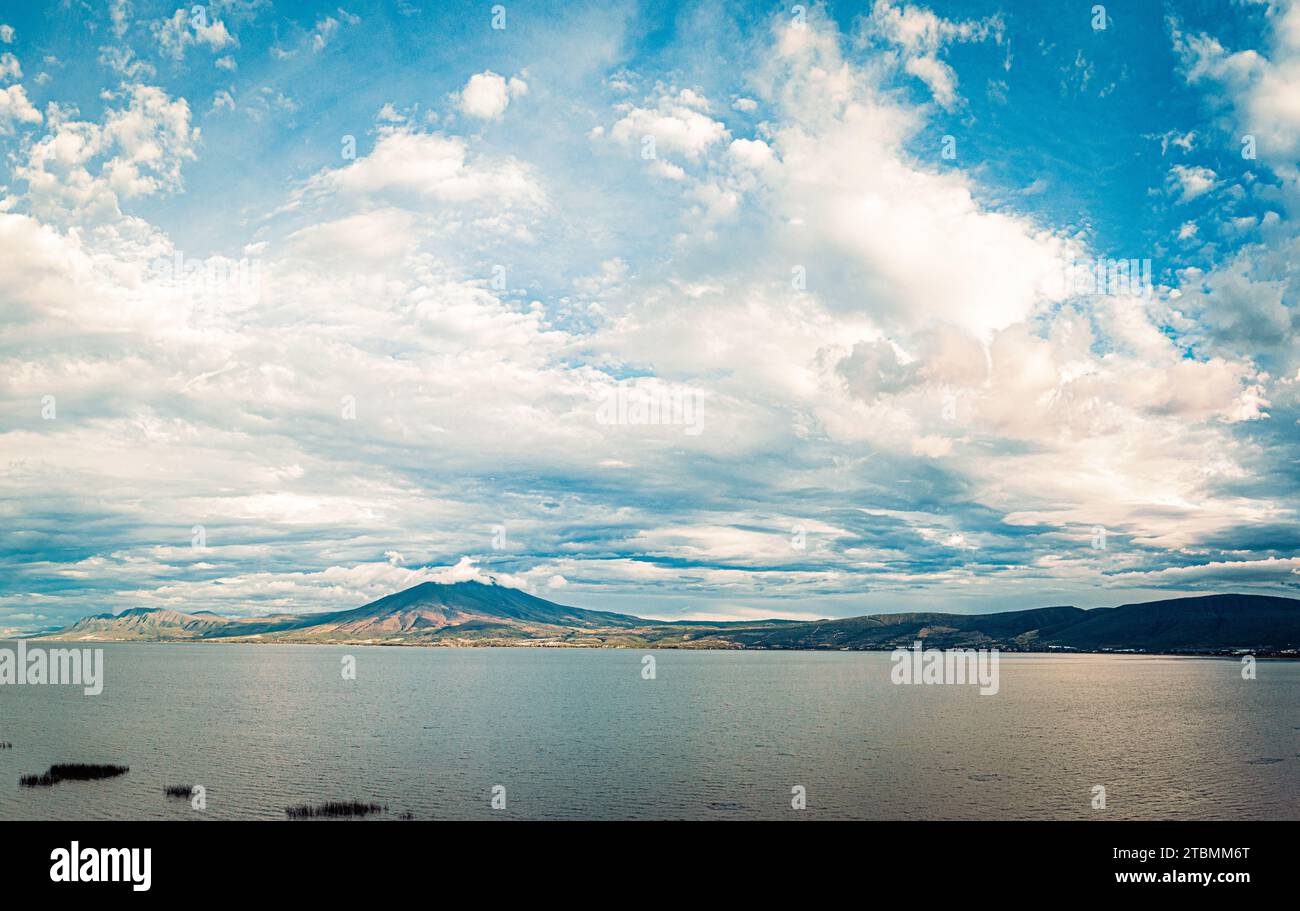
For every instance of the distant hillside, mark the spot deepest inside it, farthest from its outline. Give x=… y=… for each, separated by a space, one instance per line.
x=1011 y=628
x=474 y=613
x=1187 y=623
x=142 y=623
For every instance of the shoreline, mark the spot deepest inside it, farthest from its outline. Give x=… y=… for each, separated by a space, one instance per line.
x=1231 y=655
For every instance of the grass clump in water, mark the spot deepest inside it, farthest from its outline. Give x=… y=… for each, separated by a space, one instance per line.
x=334 y=809
x=73 y=771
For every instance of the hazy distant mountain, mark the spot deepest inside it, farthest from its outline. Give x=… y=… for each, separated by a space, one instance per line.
x=148 y=624
x=474 y=613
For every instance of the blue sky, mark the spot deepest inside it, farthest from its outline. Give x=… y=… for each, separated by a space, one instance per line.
x=839 y=247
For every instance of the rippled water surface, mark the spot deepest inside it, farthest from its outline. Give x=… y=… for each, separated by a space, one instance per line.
x=725 y=735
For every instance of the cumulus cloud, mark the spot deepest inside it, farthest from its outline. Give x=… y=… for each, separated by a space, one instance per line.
x=16 y=109
x=487 y=95
x=676 y=123
x=752 y=153
x=82 y=169
x=1259 y=83
x=1191 y=182
x=1249 y=302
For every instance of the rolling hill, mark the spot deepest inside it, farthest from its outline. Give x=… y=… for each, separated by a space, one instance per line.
x=474 y=613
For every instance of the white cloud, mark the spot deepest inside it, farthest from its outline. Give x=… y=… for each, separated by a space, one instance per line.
x=1185 y=141
x=938 y=76
x=1219 y=572
x=1260 y=84
x=119 y=13
x=183 y=30
x=41 y=268
x=487 y=95
x=677 y=123
x=752 y=153
x=919 y=30
x=82 y=169
x=327 y=28
x=367 y=239
x=223 y=100
x=920 y=36
x=1246 y=303
x=1189 y=182
x=9 y=67
x=124 y=62
x=14 y=107
x=411 y=166
x=869 y=210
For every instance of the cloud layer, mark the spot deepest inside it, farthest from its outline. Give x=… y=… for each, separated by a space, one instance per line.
x=643 y=332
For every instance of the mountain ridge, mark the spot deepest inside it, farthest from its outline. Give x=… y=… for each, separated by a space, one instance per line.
x=475 y=613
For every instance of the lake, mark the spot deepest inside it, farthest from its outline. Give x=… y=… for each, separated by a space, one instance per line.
x=579 y=734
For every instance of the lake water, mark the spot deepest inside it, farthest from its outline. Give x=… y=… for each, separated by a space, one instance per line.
x=579 y=734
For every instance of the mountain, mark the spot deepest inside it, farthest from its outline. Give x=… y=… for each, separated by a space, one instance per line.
x=475 y=613
x=434 y=606
x=147 y=624
x=425 y=614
